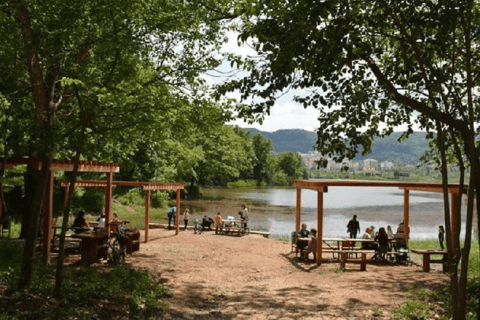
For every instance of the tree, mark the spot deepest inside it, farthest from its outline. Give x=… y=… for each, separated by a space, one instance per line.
x=86 y=74
x=263 y=165
x=370 y=66
x=291 y=164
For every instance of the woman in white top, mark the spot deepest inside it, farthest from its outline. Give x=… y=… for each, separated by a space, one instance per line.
x=186 y=214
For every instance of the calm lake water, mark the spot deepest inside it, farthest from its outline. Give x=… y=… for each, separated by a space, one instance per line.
x=374 y=206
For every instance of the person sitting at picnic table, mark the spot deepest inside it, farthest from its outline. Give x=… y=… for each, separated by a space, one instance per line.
x=312 y=245
x=382 y=239
x=218 y=222
x=302 y=233
x=372 y=232
x=101 y=221
x=368 y=236
x=80 y=224
x=399 y=237
x=389 y=232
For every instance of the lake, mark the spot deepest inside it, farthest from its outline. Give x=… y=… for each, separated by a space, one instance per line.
x=377 y=206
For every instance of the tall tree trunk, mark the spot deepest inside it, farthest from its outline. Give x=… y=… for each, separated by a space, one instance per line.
x=33 y=224
x=66 y=211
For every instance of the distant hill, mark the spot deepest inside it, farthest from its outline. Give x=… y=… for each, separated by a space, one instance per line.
x=298 y=140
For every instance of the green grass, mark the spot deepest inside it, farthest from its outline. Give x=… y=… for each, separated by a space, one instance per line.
x=473 y=261
x=87 y=292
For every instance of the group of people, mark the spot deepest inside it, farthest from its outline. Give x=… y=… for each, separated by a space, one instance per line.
x=218 y=221
x=381 y=237
x=307 y=247
x=80 y=224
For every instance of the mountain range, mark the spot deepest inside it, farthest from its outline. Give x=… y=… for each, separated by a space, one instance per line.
x=388 y=148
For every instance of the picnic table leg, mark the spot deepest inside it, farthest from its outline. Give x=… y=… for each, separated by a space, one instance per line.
x=343 y=259
x=363 y=265
x=426 y=262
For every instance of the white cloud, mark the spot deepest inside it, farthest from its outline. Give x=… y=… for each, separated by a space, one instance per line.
x=287 y=115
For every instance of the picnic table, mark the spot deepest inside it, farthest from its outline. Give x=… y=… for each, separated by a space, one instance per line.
x=427 y=258
x=94 y=245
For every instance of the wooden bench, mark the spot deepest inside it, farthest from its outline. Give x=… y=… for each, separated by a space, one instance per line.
x=427 y=258
x=233 y=231
x=362 y=261
x=133 y=242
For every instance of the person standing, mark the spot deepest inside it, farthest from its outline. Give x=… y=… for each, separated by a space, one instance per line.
x=172 y=211
x=353 y=227
x=441 y=236
x=244 y=216
x=186 y=214
x=218 y=222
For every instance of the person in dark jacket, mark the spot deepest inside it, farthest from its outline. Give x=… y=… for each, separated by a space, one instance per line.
x=353 y=227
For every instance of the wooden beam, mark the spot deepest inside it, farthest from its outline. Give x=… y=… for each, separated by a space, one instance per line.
x=145 y=185
x=421 y=186
x=298 y=210
x=147 y=214
x=319 y=226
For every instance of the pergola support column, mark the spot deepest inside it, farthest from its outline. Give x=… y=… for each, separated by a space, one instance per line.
x=47 y=219
x=147 y=214
x=319 y=226
x=298 y=212
x=177 y=216
x=406 y=214
x=108 y=200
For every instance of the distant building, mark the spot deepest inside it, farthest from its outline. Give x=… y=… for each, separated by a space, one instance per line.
x=387 y=165
x=370 y=165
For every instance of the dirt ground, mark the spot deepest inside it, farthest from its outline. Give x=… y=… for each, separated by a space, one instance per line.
x=252 y=277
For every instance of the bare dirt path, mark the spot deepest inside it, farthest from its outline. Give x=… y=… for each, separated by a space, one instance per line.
x=251 y=277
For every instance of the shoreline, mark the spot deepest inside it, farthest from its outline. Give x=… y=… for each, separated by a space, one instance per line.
x=279 y=220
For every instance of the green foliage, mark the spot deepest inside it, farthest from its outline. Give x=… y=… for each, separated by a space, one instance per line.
x=242 y=184
x=87 y=292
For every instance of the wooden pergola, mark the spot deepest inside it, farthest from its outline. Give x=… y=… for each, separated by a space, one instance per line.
x=146 y=186
x=58 y=165
x=321 y=186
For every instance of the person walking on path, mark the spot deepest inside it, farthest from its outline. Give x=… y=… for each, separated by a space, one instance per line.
x=186 y=214
x=171 y=215
x=441 y=236
x=353 y=227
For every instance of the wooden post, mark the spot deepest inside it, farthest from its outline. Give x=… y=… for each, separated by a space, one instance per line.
x=319 y=226
x=108 y=201
x=147 y=214
x=406 y=214
x=453 y=214
x=47 y=219
x=177 y=216
x=298 y=212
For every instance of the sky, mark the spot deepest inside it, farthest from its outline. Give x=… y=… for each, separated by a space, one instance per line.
x=285 y=114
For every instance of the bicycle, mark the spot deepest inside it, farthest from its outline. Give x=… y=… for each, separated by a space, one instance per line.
x=118 y=247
